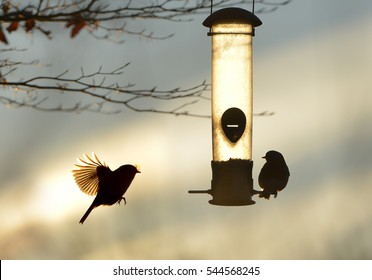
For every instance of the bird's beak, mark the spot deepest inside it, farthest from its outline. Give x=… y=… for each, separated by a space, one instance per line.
x=263 y=157
x=138 y=168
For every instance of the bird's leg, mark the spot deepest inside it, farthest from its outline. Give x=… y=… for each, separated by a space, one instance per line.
x=122 y=198
x=256 y=192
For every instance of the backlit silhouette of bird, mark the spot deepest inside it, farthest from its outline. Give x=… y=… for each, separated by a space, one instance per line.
x=95 y=178
x=274 y=175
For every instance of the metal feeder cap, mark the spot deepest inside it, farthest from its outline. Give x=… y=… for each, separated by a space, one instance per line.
x=232 y=15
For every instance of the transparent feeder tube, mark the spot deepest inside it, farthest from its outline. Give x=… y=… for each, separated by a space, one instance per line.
x=231 y=30
x=231 y=86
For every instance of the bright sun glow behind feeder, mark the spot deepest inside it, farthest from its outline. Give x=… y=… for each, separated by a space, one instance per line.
x=231 y=30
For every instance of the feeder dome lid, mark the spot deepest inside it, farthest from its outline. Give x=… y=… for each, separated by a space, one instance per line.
x=232 y=15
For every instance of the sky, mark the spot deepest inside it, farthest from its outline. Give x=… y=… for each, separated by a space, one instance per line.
x=312 y=63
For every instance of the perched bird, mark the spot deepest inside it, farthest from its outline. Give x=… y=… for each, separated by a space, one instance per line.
x=274 y=175
x=95 y=178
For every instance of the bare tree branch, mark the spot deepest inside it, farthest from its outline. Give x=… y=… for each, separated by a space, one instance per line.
x=95 y=86
x=109 y=19
x=103 y=20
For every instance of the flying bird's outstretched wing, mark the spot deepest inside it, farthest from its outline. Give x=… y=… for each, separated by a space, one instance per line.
x=86 y=176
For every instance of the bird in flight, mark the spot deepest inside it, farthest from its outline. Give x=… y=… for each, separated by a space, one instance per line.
x=95 y=178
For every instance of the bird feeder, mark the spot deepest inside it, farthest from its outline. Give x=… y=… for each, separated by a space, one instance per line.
x=231 y=30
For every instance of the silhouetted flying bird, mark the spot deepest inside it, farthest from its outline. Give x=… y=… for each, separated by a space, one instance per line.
x=274 y=175
x=95 y=178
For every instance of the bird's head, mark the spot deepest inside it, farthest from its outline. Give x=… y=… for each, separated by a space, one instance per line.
x=125 y=172
x=129 y=169
x=273 y=156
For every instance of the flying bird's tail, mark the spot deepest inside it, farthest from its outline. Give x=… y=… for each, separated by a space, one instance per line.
x=87 y=213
